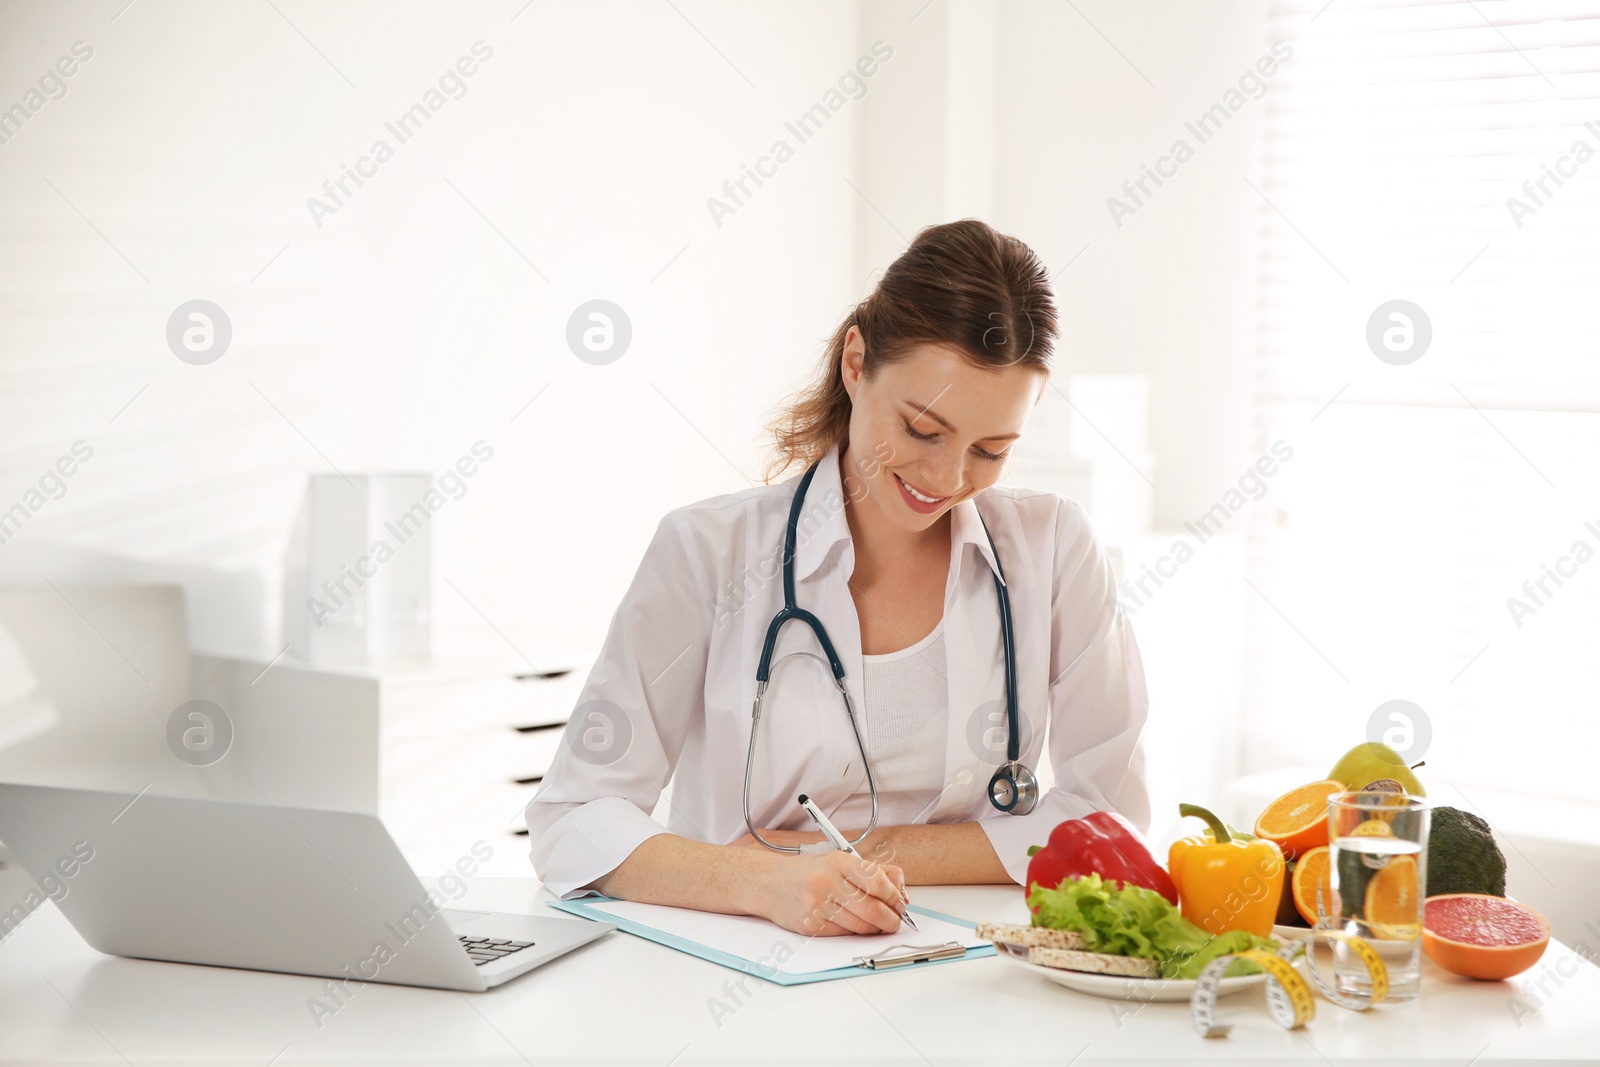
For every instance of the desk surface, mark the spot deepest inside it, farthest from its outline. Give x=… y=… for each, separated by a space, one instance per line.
x=626 y=1000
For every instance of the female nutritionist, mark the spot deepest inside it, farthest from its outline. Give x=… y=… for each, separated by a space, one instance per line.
x=924 y=392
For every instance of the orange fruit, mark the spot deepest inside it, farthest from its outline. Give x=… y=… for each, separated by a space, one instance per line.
x=1390 y=907
x=1298 y=820
x=1310 y=872
x=1481 y=936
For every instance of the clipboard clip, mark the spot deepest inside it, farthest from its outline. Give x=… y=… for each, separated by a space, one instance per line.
x=900 y=955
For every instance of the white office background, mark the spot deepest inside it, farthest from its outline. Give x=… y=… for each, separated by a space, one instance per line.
x=429 y=312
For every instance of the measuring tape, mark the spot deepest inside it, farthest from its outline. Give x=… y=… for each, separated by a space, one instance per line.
x=1289 y=998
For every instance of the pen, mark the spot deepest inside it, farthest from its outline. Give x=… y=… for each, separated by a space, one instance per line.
x=838 y=841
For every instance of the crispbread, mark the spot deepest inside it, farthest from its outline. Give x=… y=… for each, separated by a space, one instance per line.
x=1067 y=959
x=1030 y=936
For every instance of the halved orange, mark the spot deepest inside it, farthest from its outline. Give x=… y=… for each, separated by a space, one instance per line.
x=1298 y=820
x=1392 y=906
x=1310 y=873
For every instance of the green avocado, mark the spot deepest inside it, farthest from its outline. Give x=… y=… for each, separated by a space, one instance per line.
x=1462 y=855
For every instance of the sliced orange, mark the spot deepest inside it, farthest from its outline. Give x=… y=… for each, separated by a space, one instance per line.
x=1392 y=905
x=1298 y=820
x=1310 y=873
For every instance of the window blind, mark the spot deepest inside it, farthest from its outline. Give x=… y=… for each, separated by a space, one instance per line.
x=1436 y=537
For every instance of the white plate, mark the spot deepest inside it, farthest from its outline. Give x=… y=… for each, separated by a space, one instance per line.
x=1291 y=933
x=1119 y=987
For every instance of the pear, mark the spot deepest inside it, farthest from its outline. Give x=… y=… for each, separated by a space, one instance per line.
x=1373 y=765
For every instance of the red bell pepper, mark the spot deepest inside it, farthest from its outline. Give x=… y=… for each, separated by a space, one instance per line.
x=1102 y=843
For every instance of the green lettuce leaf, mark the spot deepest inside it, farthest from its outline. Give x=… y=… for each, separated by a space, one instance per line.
x=1129 y=920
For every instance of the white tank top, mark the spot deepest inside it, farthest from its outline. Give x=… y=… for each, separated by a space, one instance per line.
x=904 y=727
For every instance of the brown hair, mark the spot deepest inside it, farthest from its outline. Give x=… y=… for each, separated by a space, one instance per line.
x=960 y=284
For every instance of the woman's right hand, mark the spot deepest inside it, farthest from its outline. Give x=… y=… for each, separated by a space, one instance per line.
x=832 y=893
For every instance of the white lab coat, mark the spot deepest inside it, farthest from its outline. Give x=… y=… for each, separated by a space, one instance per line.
x=671 y=693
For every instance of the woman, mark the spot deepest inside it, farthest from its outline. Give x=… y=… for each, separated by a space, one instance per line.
x=924 y=392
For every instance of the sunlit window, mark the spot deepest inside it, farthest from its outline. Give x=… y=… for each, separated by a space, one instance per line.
x=1430 y=348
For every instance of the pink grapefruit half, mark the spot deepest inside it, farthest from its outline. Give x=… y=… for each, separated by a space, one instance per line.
x=1481 y=936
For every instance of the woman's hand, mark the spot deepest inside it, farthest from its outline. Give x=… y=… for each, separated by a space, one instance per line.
x=832 y=893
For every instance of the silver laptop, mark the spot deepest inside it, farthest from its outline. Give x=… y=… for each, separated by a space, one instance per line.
x=298 y=890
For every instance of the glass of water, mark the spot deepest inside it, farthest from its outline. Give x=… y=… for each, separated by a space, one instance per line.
x=1378 y=870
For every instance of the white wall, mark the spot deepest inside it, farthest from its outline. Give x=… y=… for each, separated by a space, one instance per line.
x=1171 y=292
x=407 y=326
x=1080 y=96
x=1083 y=94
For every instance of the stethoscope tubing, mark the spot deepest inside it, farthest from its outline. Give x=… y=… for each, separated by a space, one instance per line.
x=1024 y=789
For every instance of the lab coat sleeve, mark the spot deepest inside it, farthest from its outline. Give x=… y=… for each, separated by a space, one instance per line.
x=1098 y=703
x=635 y=711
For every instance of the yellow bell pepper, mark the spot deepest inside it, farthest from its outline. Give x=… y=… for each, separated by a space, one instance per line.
x=1226 y=881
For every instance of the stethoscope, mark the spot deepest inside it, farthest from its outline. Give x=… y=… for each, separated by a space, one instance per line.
x=1013 y=789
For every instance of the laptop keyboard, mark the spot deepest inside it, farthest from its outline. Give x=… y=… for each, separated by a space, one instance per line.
x=483 y=950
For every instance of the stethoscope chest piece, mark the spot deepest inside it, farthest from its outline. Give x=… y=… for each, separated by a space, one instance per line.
x=1014 y=789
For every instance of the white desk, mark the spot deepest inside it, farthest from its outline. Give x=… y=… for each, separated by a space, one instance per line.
x=623 y=1000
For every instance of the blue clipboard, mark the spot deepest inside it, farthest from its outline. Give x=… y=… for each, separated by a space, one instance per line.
x=582 y=909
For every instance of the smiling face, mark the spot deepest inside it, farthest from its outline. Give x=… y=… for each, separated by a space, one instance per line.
x=932 y=429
